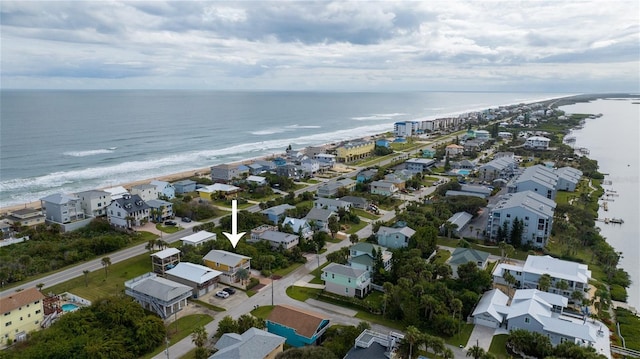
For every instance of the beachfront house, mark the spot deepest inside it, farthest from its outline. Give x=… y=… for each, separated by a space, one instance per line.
x=218 y=190
x=165 y=260
x=117 y=192
x=276 y=213
x=575 y=275
x=300 y=327
x=128 y=211
x=26 y=217
x=227 y=172
x=537 y=143
x=384 y=188
x=228 y=263
x=462 y=256
x=320 y=218
x=146 y=191
x=299 y=226
x=534 y=210
x=201 y=279
x=277 y=240
x=354 y=150
x=253 y=343
x=346 y=280
x=309 y=167
x=22 y=313
x=394 y=237
x=331 y=204
x=165 y=189
x=158 y=295
x=160 y=210
x=64 y=210
x=184 y=186
x=94 y=202
x=326 y=161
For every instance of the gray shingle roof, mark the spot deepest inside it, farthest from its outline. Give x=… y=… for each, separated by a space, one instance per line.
x=318 y=214
x=224 y=257
x=465 y=255
x=344 y=270
x=254 y=343
x=161 y=288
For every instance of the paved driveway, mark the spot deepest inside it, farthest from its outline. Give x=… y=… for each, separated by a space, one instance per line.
x=481 y=336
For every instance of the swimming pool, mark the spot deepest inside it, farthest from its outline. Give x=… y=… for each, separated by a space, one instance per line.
x=69 y=307
x=463 y=172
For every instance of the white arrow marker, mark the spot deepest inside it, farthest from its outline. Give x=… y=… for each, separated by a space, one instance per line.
x=234 y=236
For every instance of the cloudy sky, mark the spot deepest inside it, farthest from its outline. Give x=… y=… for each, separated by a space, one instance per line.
x=558 y=46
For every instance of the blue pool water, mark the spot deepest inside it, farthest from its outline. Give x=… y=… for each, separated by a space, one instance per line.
x=69 y=307
x=464 y=172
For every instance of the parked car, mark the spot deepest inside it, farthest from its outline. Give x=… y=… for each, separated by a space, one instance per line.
x=186 y=219
x=222 y=294
x=229 y=291
x=170 y=223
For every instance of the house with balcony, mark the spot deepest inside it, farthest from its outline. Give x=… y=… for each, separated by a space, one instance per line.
x=165 y=260
x=164 y=189
x=201 y=279
x=568 y=178
x=366 y=175
x=184 y=186
x=331 y=204
x=257 y=180
x=309 y=167
x=219 y=190
x=320 y=218
x=227 y=172
x=146 y=191
x=228 y=263
x=503 y=167
x=128 y=211
x=394 y=237
x=159 y=295
x=539 y=179
x=419 y=164
x=355 y=150
x=22 y=313
x=356 y=202
x=534 y=210
x=331 y=189
x=253 y=343
x=26 y=217
x=94 y=203
x=276 y=213
x=326 y=161
x=384 y=188
x=373 y=345
x=453 y=150
x=346 y=280
x=117 y=192
x=159 y=210
x=64 y=210
x=275 y=238
x=299 y=226
x=575 y=275
x=300 y=327
x=537 y=143
x=363 y=255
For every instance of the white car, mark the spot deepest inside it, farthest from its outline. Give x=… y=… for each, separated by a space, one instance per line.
x=222 y=294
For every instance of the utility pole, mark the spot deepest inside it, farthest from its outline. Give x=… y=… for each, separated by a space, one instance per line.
x=166 y=340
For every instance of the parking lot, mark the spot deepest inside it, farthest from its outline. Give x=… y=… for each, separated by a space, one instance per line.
x=226 y=303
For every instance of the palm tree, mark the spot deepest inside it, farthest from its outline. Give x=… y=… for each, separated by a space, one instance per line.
x=562 y=285
x=199 y=337
x=476 y=352
x=39 y=286
x=106 y=262
x=353 y=238
x=412 y=337
x=544 y=282
x=86 y=277
x=510 y=279
x=447 y=353
x=243 y=275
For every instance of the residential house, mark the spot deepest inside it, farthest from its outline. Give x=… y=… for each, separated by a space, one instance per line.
x=568 y=178
x=146 y=191
x=543 y=313
x=354 y=150
x=65 y=211
x=453 y=150
x=576 y=275
x=94 y=202
x=299 y=226
x=253 y=343
x=26 y=217
x=537 y=143
x=275 y=238
x=309 y=167
x=392 y=237
x=331 y=189
x=463 y=165
x=361 y=256
x=366 y=175
x=261 y=166
x=201 y=279
x=218 y=189
x=184 y=186
x=428 y=153
x=383 y=143
x=419 y=164
x=165 y=260
x=160 y=210
x=312 y=151
x=481 y=190
x=159 y=295
x=503 y=155
x=538 y=178
x=459 y=221
x=384 y=188
x=276 y=213
x=475 y=145
x=325 y=160
x=257 y=180
x=331 y=204
x=374 y=345
x=356 y=202
x=451 y=193
x=534 y=210
x=256 y=169
x=278 y=162
x=22 y=313
x=288 y=170
x=346 y=281
x=482 y=134
x=505 y=135
x=6 y=229
x=462 y=256
x=227 y=172
x=320 y=218
x=198 y=238
x=117 y=192
x=164 y=189
x=128 y=211
x=300 y=327
x=502 y=167
x=228 y=263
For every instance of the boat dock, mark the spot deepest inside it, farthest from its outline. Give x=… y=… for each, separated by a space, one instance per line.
x=611 y=220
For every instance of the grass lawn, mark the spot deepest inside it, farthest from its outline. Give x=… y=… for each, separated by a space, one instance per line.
x=499 y=346
x=224 y=204
x=191 y=354
x=629 y=327
x=167 y=229
x=317 y=273
x=100 y=285
x=460 y=338
x=441 y=256
x=262 y=312
x=284 y=271
x=180 y=329
x=311 y=181
x=302 y=293
x=334 y=240
x=378 y=319
x=365 y=214
x=353 y=228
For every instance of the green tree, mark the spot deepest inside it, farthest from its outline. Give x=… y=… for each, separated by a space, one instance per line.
x=334 y=226
x=86 y=277
x=353 y=238
x=413 y=336
x=226 y=325
x=544 y=283
x=199 y=338
x=243 y=275
x=476 y=352
x=106 y=263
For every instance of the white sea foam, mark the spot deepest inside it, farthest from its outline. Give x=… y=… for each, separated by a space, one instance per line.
x=302 y=126
x=89 y=152
x=378 y=117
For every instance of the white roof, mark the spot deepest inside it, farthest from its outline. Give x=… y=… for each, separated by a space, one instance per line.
x=218 y=187
x=116 y=192
x=198 y=237
x=160 y=288
x=256 y=179
x=551 y=298
x=557 y=268
x=538 y=138
x=489 y=304
x=193 y=272
x=166 y=253
x=224 y=257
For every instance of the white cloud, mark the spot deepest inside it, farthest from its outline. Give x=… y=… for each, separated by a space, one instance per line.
x=577 y=46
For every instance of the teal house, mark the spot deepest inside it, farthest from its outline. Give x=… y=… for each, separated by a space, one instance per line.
x=300 y=327
x=428 y=153
x=394 y=237
x=347 y=281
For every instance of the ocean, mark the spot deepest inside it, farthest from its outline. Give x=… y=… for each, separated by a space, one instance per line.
x=69 y=141
x=613 y=140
